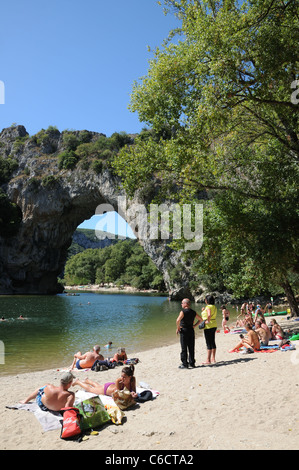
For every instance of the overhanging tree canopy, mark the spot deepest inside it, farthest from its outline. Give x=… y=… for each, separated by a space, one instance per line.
x=220 y=100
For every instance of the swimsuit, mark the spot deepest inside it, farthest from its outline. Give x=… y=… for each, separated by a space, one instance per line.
x=106 y=385
x=39 y=399
x=78 y=364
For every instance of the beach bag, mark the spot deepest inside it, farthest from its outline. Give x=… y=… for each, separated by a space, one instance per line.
x=71 y=423
x=143 y=396
x=102 y=365
x=123 y=398
x=93 y=413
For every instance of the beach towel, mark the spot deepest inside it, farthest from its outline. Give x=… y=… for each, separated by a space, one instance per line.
x=288 y=347
x=52 y=420
x=266 y=350
x=237 y=331
x=49 y=420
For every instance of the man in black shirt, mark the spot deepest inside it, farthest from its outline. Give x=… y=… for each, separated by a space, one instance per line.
x=185 y=328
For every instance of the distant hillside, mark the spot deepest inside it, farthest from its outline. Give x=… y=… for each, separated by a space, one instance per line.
x=86 y=238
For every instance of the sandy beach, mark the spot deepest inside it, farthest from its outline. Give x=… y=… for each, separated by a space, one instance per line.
x=242 y=402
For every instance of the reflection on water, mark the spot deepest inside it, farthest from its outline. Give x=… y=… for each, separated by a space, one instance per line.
x=58 y=326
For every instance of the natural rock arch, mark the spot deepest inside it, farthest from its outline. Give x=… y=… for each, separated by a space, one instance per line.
x=52 y=202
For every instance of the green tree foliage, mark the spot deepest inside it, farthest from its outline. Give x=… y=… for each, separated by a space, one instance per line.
x=7 y=167
x=81 y=146
x=124 y=263
x=223 y=91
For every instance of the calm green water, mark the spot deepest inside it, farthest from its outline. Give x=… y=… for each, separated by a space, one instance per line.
x=58 y=326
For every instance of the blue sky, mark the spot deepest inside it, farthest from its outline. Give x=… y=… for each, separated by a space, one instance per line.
x=72 y=64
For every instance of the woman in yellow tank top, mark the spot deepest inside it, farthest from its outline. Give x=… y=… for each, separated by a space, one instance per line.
x=209 y=314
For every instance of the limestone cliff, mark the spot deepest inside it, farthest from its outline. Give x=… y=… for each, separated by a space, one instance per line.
x=42 y=202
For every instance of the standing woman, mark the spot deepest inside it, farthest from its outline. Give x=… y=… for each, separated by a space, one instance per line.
x=209 y=314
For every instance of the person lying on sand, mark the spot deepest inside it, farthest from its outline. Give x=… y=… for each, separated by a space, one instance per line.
x=51 y=398
x=126 y=380
x=250 y=341
x=84 y=361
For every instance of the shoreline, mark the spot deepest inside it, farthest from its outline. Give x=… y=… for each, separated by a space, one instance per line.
x=98 y=288
x=113 y=290
x=243 y=402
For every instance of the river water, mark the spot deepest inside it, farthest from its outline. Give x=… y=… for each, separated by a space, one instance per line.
x=56 y=327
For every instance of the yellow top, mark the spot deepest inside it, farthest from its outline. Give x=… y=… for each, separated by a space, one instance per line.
x=204 y=315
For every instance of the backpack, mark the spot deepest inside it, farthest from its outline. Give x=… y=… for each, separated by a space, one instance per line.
x=71 y=423
x=102 y=365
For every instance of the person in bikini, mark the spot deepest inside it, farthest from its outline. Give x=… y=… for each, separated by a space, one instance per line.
x=225 y=318
x=120 y=356
x=276 y=330
x=126 y=380
x=251 y=341
x=51 y=398
x=85 y=361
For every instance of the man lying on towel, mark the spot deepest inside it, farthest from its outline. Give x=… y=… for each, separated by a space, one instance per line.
x=251 y=341
x=51 y=398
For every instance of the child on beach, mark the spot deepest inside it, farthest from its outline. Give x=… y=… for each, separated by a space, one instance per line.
x=225 y=318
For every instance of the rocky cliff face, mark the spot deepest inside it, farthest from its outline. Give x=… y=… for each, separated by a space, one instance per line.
x=50 y=202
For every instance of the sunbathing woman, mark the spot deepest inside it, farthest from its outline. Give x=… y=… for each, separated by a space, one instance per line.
x=276 y=330
x=120 y=356
x=126 y=380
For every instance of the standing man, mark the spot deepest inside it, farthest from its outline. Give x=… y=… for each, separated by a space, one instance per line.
x=185 y=327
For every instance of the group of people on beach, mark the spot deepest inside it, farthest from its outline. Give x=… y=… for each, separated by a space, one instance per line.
x=54 y=398
x=86 y=360
x=258 y=333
